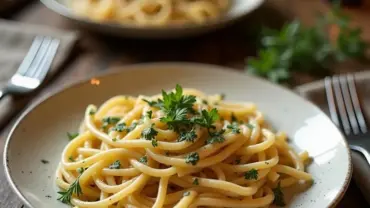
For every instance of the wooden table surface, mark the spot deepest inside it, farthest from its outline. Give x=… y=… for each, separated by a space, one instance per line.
x=227 y=47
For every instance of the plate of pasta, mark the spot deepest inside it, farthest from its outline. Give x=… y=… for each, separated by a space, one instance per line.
x=176 y=135
x=153 y=18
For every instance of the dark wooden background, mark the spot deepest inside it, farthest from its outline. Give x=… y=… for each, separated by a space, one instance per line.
x=227 y=47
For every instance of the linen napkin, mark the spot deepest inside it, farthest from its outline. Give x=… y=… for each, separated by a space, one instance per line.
x=315 y=92
x=15 y=41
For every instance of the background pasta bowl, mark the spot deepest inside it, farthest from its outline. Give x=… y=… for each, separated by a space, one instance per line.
x=237 y=10
x=40 y=133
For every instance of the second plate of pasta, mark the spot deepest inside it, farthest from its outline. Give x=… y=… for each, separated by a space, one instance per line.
x=195 y=140
x=153 y=18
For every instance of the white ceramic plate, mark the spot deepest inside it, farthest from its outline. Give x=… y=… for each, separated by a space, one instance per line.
x=41 y=132
x=238 y=9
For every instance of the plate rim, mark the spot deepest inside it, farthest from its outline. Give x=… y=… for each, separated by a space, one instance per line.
x=61 y=9
x=150 y=66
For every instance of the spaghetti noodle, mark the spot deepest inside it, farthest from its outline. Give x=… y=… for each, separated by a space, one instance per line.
x=150 y=12
x=178 y=149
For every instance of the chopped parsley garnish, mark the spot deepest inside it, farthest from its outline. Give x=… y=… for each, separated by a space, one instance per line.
x=251 y=174
x=233 y=118
x=279 y=196
x=71 y=159
x=144 y=160
x=196 y=182
x=207 y=118
x=71 y=136
x=132 y=126
x=186 y=193
x=189 y=136
x=149 y=133
x=74 y=188
x=250 y=126
x=154 y=143
x=109 y=121
x=205 y=102
x=149 y=114
x=81 y=170
x=216 y=137
x=92 y=112
x=114 y=139
x=152 y=103
x=120 y=127
x=192 y=158
x=234 y=128
x=115 y=165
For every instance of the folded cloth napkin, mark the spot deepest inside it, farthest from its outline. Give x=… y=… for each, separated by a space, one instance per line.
x=315 y=92
x=15 y=41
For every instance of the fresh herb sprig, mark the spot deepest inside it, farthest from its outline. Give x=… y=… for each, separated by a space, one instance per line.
x=74 y=188
x=307 y=49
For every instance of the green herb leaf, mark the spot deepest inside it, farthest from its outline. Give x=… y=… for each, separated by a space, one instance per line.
x=115 y=165
x=149 y=114
x=149 y=133
x=109 y=121
x=154 y=143
x=189 y=136
x=279 y=196
x=92 y=112
x=307 y=49
x=216 y=137
x=196 y=182
x=192 y=158
x=71 y=136
x=71 y=159
x=74 y=188
x=152 y=103
x=251 y=174
x=80 y=170
x=144 y=160
x=234 y=128
x=207 y=118
x=120 y=127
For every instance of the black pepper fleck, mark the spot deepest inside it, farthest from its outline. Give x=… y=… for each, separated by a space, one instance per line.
x=44 y=161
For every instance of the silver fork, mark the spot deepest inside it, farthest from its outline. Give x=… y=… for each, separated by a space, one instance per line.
x=33 y=69
x=343 y=100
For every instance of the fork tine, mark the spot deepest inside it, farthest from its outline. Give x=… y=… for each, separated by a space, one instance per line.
x=356 y=103
x=31 y=54
x=341 y=107
x=348 y=105
x=47 y=60
x=38 y=58
x=331 y=101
